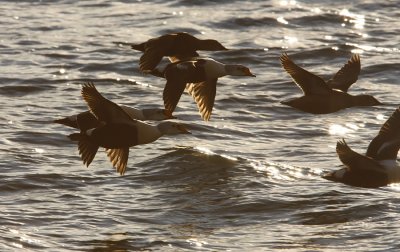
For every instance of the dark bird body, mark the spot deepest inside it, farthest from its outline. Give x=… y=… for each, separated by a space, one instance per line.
x=379 y=166
x=116 y=130
x=322 y=97
x=87 y=120
x=179 y=45
x=199 y=76
x=114 y=135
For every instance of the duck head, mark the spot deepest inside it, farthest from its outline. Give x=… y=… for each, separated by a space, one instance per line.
x=366 y=100
x=211 y=45
x=238 y=70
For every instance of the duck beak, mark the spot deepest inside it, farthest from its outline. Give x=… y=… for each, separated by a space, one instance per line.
x=168 y=114
x=184 y=130
x=248 y=73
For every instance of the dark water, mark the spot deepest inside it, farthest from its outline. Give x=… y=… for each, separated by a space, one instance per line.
x=248 y=180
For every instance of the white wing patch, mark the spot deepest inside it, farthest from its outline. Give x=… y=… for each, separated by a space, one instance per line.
x=392 y=169
x=340 y=173
x=133 y=113
x=389 y=164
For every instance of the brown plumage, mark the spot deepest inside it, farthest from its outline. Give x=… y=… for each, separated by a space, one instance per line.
x=378 y=167
x=199 y=76
x=116 y=130
x=177 y=46
x=322 y=97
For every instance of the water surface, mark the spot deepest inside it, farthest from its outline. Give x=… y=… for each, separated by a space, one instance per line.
x=248 y=180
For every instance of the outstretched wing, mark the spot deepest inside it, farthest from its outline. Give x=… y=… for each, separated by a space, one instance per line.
x=177 y=75
x=118 y=158
x=150 y=59
x=87 y=149
x=353 y=160
x=311 y=84
x=347 y=75
x=172 y=93
x=154 y=50
x=102 y=108
x=387 y=143
x=203 y=94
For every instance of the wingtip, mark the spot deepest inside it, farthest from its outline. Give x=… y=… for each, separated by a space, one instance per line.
x=356 y=56
x=341 y=142
x=87 y=86
x=121 y=172
x=342 y=147
x=168 y=114
x=284 y=58
x=284 y=55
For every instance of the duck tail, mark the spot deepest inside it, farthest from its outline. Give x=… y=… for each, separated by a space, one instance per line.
x=329 y=176
x=138 y=47
x=67 y=122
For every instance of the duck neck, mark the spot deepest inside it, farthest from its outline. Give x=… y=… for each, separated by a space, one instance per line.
x=208 y=45
x=147 y=133
x=214 y=69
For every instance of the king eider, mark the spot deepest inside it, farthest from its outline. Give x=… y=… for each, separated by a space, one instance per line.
x=117 y=130
x=322 y=97
x=379 y=166
x=86 y=120
x=199 y=76
x=175 y=45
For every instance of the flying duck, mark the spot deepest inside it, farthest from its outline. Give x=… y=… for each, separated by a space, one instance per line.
x=322 y=97
x=176 y=46
x=378 y=167
x=199 y=76
x=86 y=120
x=117 y=130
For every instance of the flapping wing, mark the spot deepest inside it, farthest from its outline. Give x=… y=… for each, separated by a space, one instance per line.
x=172 y=93
x=347 y=75
x=392 y=126
x=155 y=50
x=387 y=143
x=150 y=59
x=118 y=158
x=182 y=57
x=308 y=82
x=353 y=160
x=102 y=108
x=177 y=75
x=87 y=149
x=203 y=94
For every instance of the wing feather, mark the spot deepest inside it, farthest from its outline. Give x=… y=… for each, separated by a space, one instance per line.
x=118 y=158
x=102 y=108
x=311 y=84
x=347 y=75
x=203 y=94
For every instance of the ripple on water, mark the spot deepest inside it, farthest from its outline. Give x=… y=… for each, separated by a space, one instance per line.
x=249 y=179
